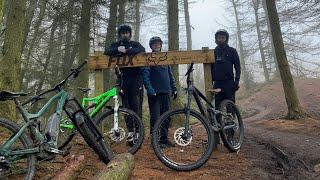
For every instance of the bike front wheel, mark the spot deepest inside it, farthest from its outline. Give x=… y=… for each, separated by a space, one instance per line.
x=232 y=130
x=125 y=136
x=93 y=137
x=66 y=130
x=178 y=148
x=15 y=166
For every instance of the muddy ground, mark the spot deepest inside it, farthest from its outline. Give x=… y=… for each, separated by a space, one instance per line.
x=274 y=148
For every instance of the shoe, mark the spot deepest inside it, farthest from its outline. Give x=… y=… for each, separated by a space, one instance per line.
x=130 y=137
x=167 y=144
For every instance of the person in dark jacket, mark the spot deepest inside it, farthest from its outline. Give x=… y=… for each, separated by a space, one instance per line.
x=132 y=84
x=226 y=60
x=159 y=82
x=223 y=76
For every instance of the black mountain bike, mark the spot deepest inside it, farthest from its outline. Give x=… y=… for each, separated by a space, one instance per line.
x=191 y=133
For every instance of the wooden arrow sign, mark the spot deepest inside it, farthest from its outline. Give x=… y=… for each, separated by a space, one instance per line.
x=100 y=61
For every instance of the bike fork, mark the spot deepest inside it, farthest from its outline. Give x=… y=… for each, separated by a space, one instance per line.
x=115 y=115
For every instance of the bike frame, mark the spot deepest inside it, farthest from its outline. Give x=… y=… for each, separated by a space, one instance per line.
x=31 y=119
x=99 y=102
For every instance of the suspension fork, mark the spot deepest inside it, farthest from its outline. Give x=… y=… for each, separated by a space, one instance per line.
x=115 y=115
x=187 y=112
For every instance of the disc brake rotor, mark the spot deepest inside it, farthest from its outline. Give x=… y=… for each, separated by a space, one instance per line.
x=180 y=139
x=117 y=136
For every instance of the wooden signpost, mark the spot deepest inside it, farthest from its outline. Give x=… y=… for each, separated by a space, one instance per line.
x=100 y=61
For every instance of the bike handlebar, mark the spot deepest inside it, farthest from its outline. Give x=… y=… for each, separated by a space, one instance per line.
x=75 y=72
x=190 y=69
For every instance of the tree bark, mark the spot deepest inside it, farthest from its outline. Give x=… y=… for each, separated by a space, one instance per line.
x=84 y=43
x=122 y=11
x=35 y=35
x=244 y=70
x=11 y=61
x=119 y=168
x=263 y=58
x=188 y=26
x=138 y=21
x=295 y=111
x=33 y=4
x=110 y=38
x=1 y=12
x=277 y=73
x=71 y=168
x=67 y=61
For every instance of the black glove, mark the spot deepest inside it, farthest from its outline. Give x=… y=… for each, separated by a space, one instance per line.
x=174 y=95
x=236 y=86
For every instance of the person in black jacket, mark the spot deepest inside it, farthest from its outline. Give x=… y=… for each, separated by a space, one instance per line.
x=223 y=76
x=159 y=81
x=132 y=84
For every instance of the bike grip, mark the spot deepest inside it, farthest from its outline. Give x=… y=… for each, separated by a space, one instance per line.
x=81 y=65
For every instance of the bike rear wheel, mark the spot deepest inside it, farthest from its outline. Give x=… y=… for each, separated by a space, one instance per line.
x=180 y=150
x=130 y=133
x=22 y=168
x=232 y=130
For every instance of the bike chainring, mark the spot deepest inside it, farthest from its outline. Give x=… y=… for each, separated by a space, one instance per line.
x=180 y=138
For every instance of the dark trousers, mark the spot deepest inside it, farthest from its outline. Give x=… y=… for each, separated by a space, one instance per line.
x=133 y=97
x=158 y=105
x=227 y=91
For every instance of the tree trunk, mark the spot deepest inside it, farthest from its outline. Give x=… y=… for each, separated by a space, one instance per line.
x=188 y=26
x=51 y=44
x=119 y=168
x=11 y=61
x=277 y=73
x=263 y=58
x=83 y=78
x=33 y=4
x=244 y=70
x=138 y=21
x=110 y=38
x=295 y=111
x=122 y=11
x=1 y=12
x=35 y=35
x=67 y=61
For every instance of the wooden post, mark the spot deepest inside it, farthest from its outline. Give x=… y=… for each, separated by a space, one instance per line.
x=98 y=85
x=208 y=85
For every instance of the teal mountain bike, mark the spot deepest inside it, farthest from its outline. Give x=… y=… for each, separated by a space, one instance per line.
x=122 y=128
x=19 y=152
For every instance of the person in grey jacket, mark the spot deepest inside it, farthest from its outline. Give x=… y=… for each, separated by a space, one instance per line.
x=159 y=82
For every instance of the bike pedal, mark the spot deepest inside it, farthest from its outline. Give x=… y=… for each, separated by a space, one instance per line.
x=66 y=152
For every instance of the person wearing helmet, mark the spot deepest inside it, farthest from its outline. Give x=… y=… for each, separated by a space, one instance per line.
x=223 y=76
x=132 y=79
x=159 y=81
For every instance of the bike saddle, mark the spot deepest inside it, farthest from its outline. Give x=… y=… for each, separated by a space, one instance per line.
x=6 y=95
x=84 y=89
x=215 y=91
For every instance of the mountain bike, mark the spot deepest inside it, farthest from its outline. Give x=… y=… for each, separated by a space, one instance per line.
x=22 y=146
x=192 y=132
x=121 y=127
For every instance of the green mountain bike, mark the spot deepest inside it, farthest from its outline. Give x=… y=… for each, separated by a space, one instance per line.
x=122 y=128
x=19 y=152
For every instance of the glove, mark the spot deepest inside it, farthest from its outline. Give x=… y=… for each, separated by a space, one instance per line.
x=174 y=95
x=236 y=86
x=122 y=49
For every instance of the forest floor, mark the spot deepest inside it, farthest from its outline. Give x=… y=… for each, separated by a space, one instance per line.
x=274 y=148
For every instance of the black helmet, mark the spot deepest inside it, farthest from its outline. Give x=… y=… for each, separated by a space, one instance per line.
x=222 y=32
x=154 y=39
x=124 y=28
